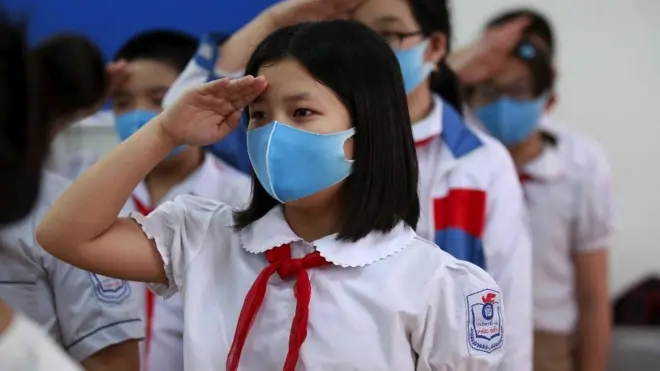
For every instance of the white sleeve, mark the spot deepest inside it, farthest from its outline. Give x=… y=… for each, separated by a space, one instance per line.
x=508 y=249
x=179 y=228
x=595 y=213
x=462 y=326
x=200 y=69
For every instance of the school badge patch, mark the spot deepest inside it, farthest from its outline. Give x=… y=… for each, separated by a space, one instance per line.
x=110 y=290
x=485 y=328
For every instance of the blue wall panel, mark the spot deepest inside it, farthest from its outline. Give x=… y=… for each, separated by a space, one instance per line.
x=111 y=22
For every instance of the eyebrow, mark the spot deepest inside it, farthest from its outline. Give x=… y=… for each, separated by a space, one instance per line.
x=290 y=98
x=387 y=19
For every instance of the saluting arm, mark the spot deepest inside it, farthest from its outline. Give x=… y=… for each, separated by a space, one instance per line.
x=82 y=227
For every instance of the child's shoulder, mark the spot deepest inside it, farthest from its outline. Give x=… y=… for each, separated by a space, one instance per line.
x=445 y=270
x=193 y=210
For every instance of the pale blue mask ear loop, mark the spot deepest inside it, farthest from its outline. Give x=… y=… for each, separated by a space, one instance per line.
x=346 y=134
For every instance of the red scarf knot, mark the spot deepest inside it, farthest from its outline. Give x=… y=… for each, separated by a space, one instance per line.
x=281 y=262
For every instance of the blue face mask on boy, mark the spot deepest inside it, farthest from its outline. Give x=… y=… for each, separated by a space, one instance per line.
x=292 y=164
x=413 y=67
x=130 y=122
x=511 y=121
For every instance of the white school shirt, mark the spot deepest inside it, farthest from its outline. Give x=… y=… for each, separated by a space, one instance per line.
x=82 y=311
x=388 y=302
x=496 y=219
x=570 y=203
x=214 y=180
x=26 y=347
x=71 y=166
x=472 y=204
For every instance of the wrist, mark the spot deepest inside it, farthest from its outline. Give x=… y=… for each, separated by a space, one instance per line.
x=165 y=139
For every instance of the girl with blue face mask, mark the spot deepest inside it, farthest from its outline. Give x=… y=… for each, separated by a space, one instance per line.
x=471 y=200
x=511 y=104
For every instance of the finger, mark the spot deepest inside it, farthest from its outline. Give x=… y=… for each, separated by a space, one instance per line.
x=509 y=34
x=246 y=96
x=216 y=88
x=238 y=88
x=345 y=6
x=234 y=119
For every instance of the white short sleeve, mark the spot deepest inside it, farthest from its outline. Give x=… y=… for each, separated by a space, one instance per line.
x=179 y=229
x=462 y=327
x=594 y=222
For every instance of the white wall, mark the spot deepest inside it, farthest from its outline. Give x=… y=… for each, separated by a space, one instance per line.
x=609 y=60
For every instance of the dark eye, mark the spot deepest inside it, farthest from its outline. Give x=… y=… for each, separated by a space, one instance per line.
x=256 y=115
x=302 y=112
x=390 y=37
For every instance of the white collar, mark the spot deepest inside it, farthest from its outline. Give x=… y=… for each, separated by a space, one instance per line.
x=430 y=126
x=548 y=166
x=272 y=230
x=196 y=183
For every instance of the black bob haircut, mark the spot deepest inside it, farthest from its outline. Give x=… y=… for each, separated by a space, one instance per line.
x=539 y=25
x=434 y=16
x=361 y=69
x=170 y=47
x=72 y=75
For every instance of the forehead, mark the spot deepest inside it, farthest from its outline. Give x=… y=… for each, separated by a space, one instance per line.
x=514 y=71
x=287 y=79
x=148 y=74
x=382 y=13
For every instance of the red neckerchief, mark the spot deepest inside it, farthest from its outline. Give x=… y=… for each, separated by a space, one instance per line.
x=425 y=141
x=281 y=262
x=524 y=178
x=150 y=298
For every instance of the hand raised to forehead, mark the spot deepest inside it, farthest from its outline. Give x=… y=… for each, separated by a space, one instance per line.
x=209 y=112
x=290 y=12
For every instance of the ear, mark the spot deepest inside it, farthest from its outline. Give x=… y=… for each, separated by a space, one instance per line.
x=437 y=48
x=552 y=101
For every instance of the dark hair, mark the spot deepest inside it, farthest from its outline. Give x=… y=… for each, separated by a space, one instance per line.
x=170 y=47
x=72 y=75
x=434 y=16
x=540 y=25
x=23 y=137
x=361 y=69
x=537 y=59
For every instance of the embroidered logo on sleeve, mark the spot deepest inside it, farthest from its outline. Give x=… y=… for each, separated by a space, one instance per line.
x=110 y=290
x=485 y=326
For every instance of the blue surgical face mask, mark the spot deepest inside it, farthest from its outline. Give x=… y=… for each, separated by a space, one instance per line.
x=292 y=164
x=511 y=121
x=413 y=67
x=129 y=123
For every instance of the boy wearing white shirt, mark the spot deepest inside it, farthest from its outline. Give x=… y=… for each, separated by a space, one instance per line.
x=567 y=184
x=155 y=58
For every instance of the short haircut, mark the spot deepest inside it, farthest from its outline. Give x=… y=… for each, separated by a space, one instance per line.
x=170 y=47
x=72 y=74
x=540 y=25
x=361 y=69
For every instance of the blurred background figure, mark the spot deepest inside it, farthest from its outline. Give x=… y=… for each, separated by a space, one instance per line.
x=568 y=192
x=154 y=59
x=25 y=132
x=94 y=318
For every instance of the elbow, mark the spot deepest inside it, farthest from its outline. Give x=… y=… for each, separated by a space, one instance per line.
x=47 y=237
